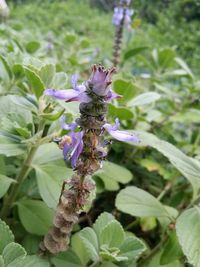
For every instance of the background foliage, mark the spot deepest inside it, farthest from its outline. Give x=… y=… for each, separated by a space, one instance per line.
x=147 y=194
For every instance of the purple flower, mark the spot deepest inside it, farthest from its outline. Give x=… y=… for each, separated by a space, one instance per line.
x=120 y=135
x=100 y=80
x=72 y=144
x=76 y=94
x=65 y=126
x=118 y=16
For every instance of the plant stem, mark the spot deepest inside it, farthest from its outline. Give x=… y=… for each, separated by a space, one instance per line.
x=153 y=251
x=21 y=176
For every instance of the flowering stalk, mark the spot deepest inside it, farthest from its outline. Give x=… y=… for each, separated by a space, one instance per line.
x=85 y=149
x=121 y=17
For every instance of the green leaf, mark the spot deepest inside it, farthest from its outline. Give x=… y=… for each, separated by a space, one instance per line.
x=36 y=84
x=111 y=174
x=108 y=264
x=35 y=261
x=6 y=66
x=120 y=112
x=47 y=153
x=134 y=51
x=31 y=243
x=9 y=146
x=5 y=183
x=66 y=259
x=124 y=88
x=89 y=239
x=103 y=219
x=189 y=167
x=132 y=248
x=155 y=262
x=171 y=251
x=165 y=57
x=183 y=64
x=79 y=248
x=138 y=202
x=144 y=99
x=52 y=116
x=47 y=73
x=109 y=237
x=35 y=216
x=116 y=172
x=13 y=254
x=108 y=183
x=2 y=264
x=49 y=179
x=59 y=80
x=23 y=102
x=6 y=236
x=188 y=229
x=32 y=46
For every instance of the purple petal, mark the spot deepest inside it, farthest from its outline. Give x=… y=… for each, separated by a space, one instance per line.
x=110 y=127
x=124 y=136
x=120 y=135
x=66 y=126
x=66 y=95
x=111 y=95
x=74 y=80
x=66 y=150
x=77 y=148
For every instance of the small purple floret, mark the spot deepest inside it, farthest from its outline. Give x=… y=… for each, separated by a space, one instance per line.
x=120 y=135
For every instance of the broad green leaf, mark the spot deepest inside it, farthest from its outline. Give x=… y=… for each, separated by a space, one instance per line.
x=165 y=57
x=35 y=261
x=183 y=64
x=66 y=259
x=9 y=146
x=35 y=216
x=2 y=264
x=109 y=237
x=188 y=229
x=31 y=243
x=5 y=183
x=47 y=153
x=155 y=262
x=138 y=202
x=36 y=84
x=32 y=46
x=78 y=248
x=59 y=80
x=134 y=51
x=171 y=251
x=46 y=74
x=115 y=172
x=144 y=99
x=108 y=183
x=23 y=102
x=13 y=254
x=120 y=112
x=49 y=179
x=103 y=219
x=189 y=167
x=124 y=88
x=6 y=236
x=132 y=248
x=89 y=239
